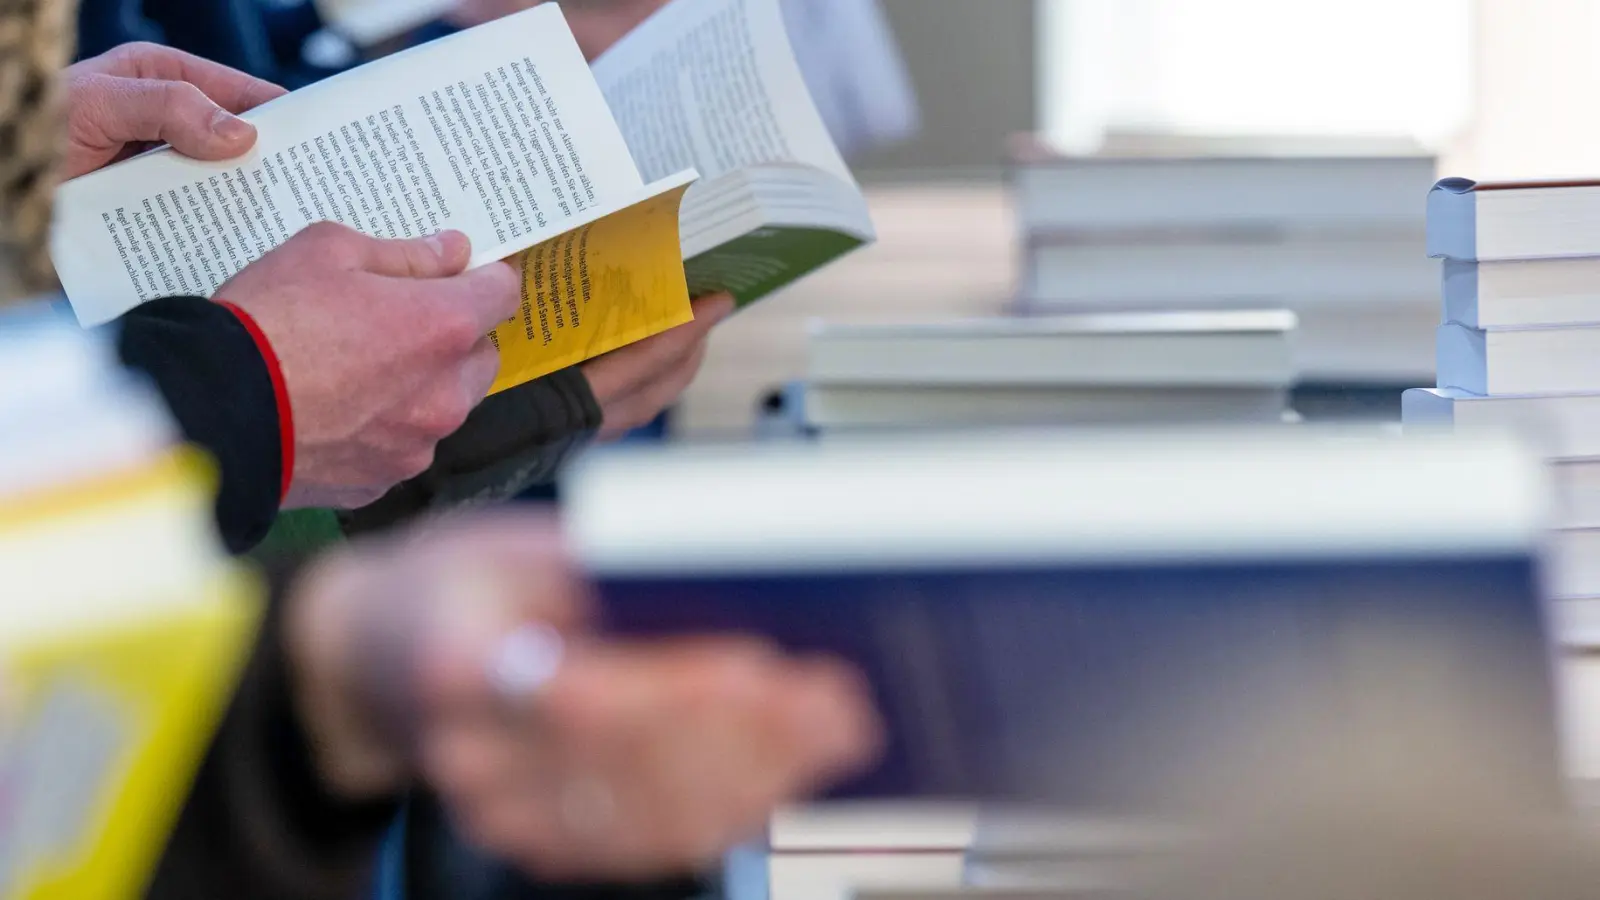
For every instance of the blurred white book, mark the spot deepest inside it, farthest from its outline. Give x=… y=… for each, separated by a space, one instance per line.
x=1513 y=220
x=1197 y=267
x=850 y=407
x=1574 y=563
x=1577 y=487
x=1522 y=292
x=841 y=850
x=1016 y=850
x=369 y=22
x=1241 y=349
x=1240 y=186
x=1519 y=360
x=1331 y=230
x=1564 y=426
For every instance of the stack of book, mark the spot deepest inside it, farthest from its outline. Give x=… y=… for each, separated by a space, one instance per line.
x=1091 y=369
x=1338 y=239
x=838 y=851
x=123 y=627
x=1520 y=349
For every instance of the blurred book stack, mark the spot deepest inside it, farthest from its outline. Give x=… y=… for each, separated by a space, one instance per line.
x=1333 y=232
x=1089 y=369
x=124 y=624
x=1519 y=349
x=839 y=851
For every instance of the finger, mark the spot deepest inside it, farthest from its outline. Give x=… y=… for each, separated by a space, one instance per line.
x=118 y=111
x=624 y=372
x=477 y=301
x=650 y=400
x=480 y=372
x=439 y=255
x=837 y=714
x=231 y=89
x=497 y=620
x=713 y=308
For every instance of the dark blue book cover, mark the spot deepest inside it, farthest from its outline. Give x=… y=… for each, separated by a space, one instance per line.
x=1101 y=678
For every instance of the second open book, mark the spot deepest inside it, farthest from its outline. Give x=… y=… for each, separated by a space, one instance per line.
x=503 y=133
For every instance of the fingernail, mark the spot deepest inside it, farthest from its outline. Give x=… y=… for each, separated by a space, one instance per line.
x=526 y=661
x=230 y=127
x=444 y=243
x=716 y=309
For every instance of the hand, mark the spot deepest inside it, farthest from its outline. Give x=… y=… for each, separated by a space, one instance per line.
x=634 y=384
x=384 y=349
x=139 y=94
x=597 y=24
x=566 y=754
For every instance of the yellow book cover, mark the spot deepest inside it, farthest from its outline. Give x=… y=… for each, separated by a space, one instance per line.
x=110 y=689
x=599 y=287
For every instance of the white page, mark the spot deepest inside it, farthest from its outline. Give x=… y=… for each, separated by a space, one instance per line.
x=852 y=63
x=713 y=85
x=499 y=132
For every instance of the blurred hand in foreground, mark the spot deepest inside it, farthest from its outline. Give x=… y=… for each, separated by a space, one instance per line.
x=459 y=656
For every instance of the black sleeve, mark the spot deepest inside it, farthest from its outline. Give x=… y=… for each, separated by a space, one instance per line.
x=513 y=440
x=258 y=825
x=207 y=367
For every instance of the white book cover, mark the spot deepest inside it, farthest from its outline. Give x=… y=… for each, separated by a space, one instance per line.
x=1316 y=191
x=1196 y=268
x=861 y=506
x=1133 y=349
x=1577 y=492
x=1468 y=220
x=848 y=407
x=1519 y=361
x=1573 y=562
x=1522 y=292
x=1565 y=426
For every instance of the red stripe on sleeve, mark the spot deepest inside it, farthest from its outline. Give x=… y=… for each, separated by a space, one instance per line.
x=280 y=392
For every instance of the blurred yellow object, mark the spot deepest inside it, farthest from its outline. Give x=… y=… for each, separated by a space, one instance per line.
x=123 y=629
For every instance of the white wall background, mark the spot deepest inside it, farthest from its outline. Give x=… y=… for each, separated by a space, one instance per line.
x=1538 y=73
x=1378 y=68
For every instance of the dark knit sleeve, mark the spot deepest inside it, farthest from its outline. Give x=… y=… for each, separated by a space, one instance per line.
x=514 y=440
x=220 y=389
x=258 y=824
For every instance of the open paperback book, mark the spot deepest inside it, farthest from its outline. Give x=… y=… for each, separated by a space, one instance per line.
x=713 y=85
x=499 y=132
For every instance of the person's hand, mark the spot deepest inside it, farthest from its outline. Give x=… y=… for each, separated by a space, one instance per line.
x=597 y=24
x=384 y=349
x=569 y=755
x=635 y=384
x=142 y=94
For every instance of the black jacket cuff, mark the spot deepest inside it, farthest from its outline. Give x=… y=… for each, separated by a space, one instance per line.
x=208 y=368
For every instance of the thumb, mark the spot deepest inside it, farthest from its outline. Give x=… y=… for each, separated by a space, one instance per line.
x=172 y=112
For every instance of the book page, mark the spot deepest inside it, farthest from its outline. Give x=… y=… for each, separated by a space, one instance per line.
x=499 y=132
x=600 y=286
x=713 y=85
x=852 y=63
